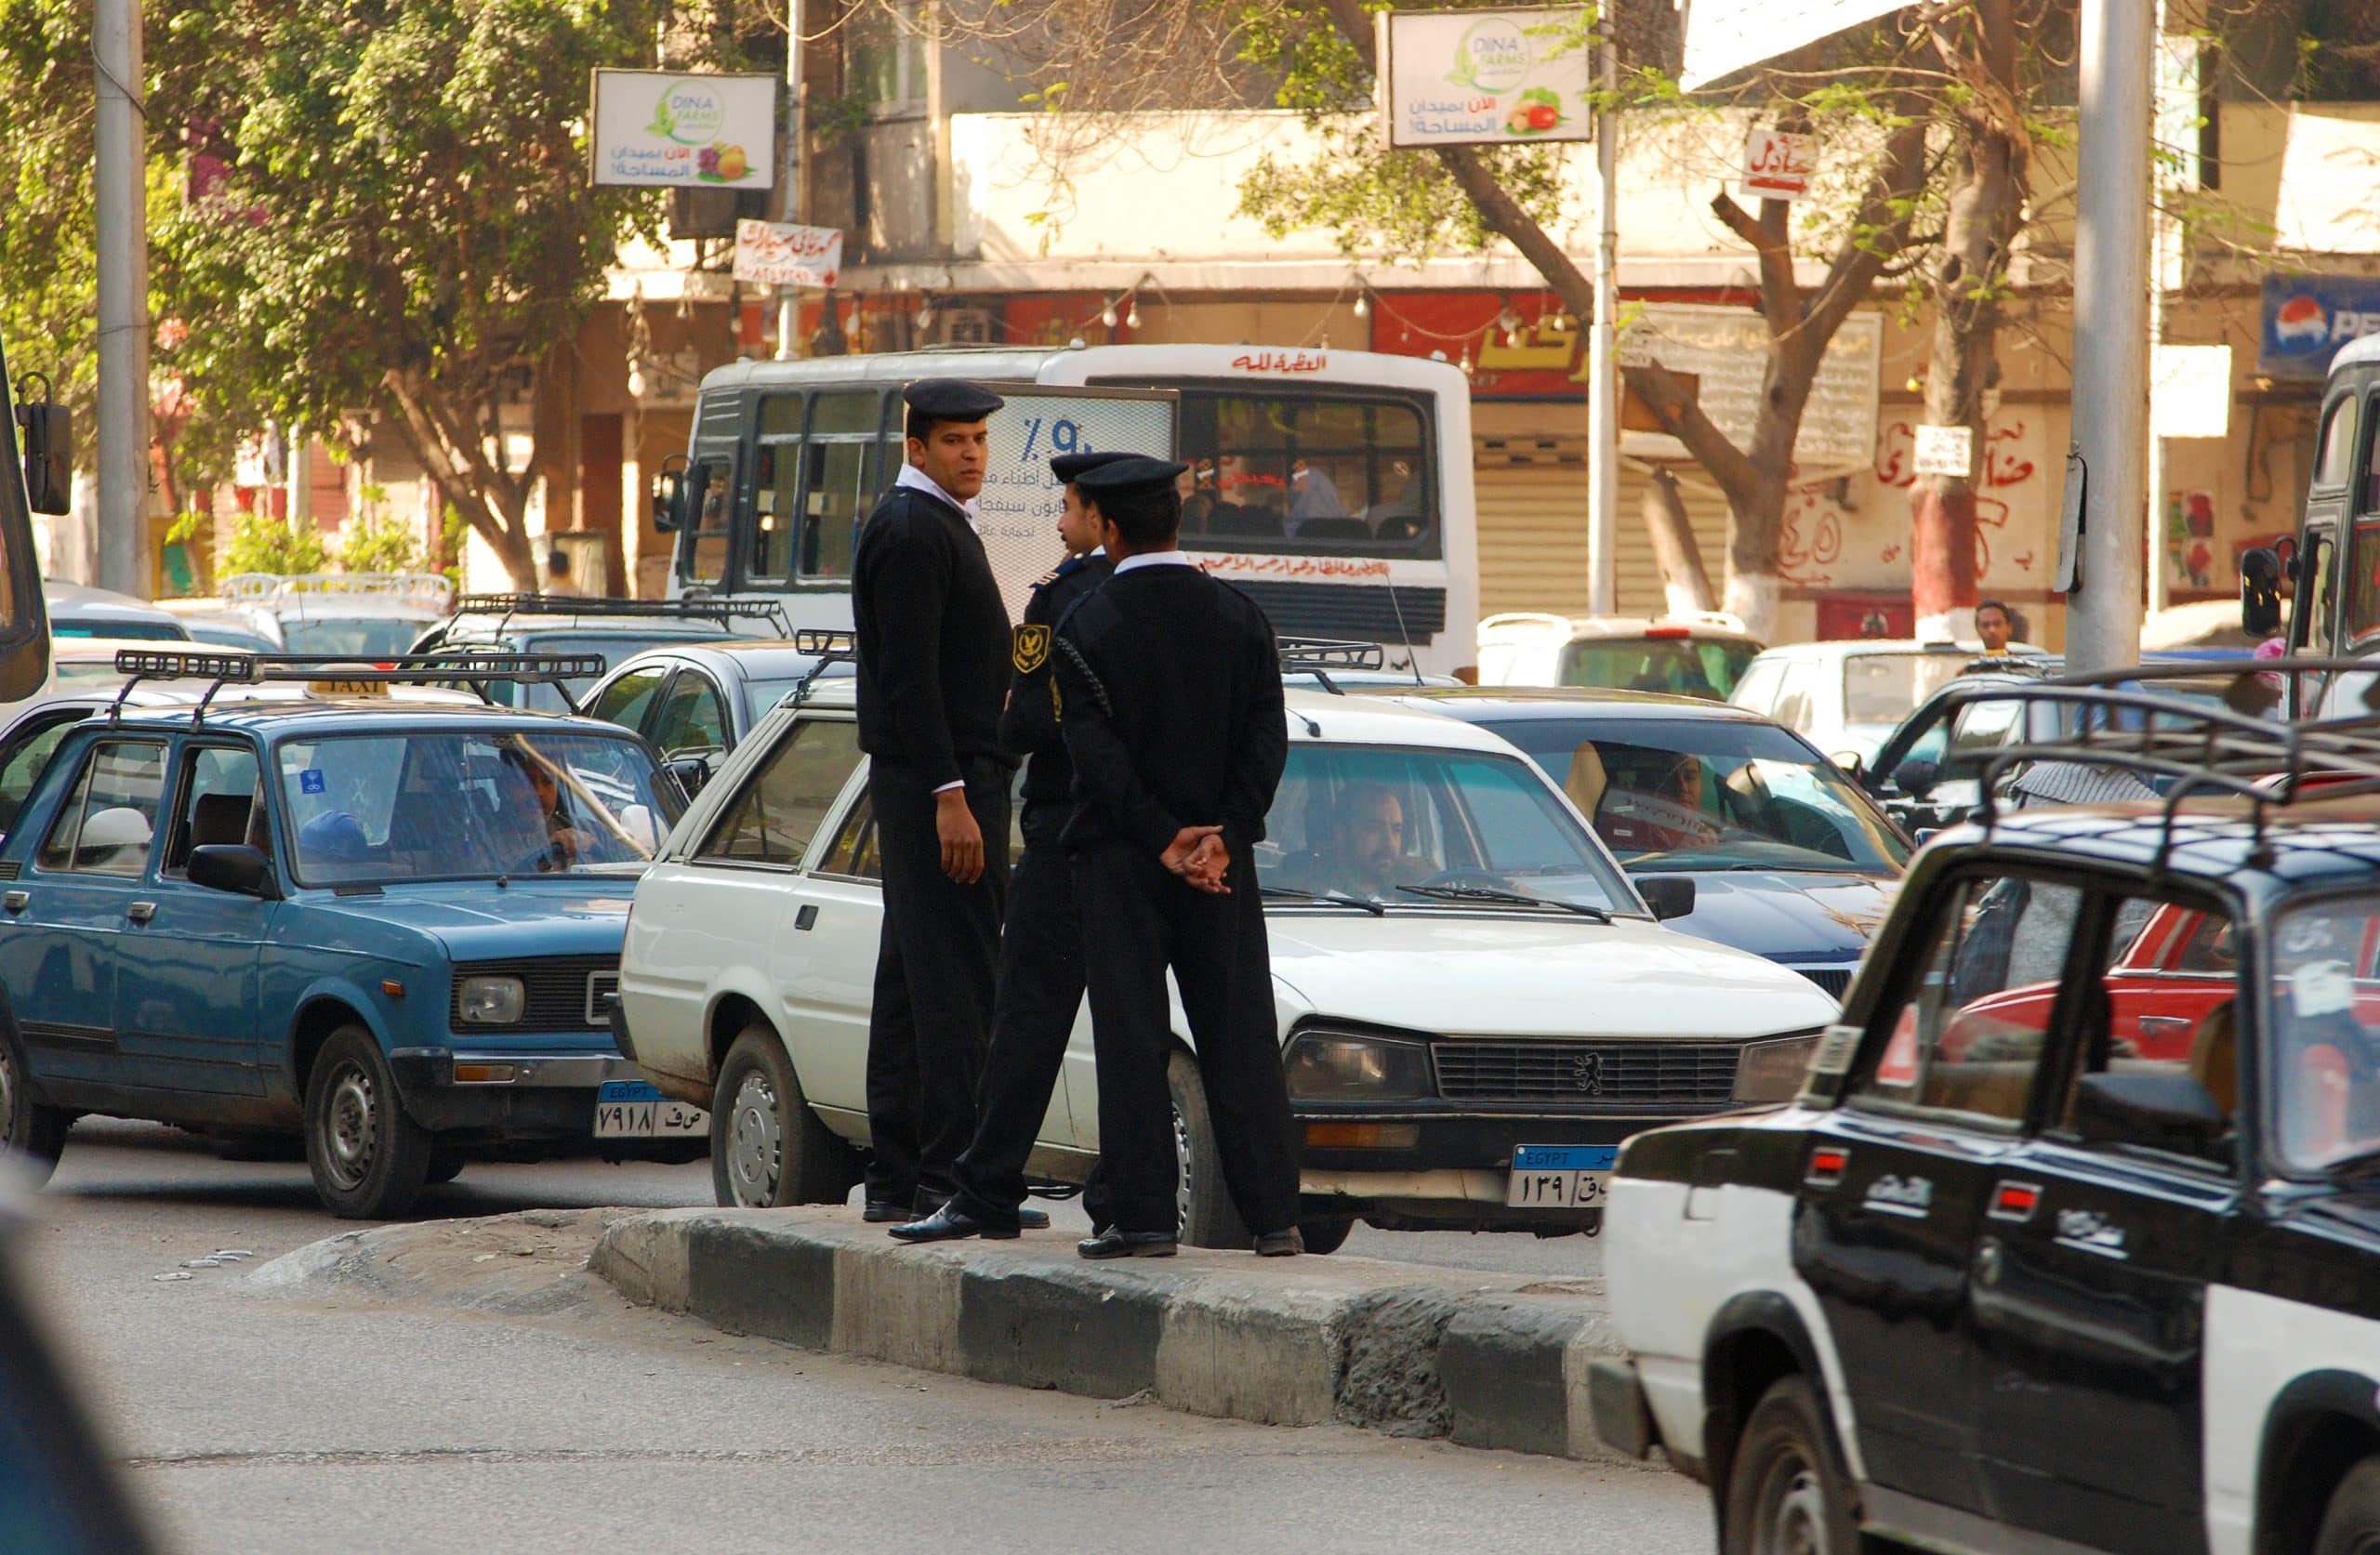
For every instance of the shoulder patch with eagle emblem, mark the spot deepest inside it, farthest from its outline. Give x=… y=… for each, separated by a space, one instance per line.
x=1031 y=648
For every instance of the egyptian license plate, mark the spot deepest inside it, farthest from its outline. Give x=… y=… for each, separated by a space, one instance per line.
x=1560 y=1176
x=633 y=1109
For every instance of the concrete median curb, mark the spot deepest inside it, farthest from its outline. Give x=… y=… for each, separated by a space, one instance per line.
x=1491 y=1361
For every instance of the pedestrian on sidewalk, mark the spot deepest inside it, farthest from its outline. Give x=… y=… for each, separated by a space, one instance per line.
x=1041 y=977
x=934 y=652
x=1169 y=686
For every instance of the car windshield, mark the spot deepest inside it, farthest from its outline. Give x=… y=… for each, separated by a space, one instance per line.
x=1702 y=794
x=1683 y=667
x=565 y=696
x=1879 y=690
x=1363 y=819
x=369 y=636
x=762 y=695
x=449 y=805
x=2323 y=1057
x=136 y=631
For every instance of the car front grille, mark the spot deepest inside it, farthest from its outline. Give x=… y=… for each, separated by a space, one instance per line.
x=1631 y=1077
x=562 y=993
x=1834 y=980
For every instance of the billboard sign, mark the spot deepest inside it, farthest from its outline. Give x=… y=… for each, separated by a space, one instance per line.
x=661 y=130
x=1017 y=512
x=774 y=254
x=2308 y=318
x=1725 y=352
x=1484 y=78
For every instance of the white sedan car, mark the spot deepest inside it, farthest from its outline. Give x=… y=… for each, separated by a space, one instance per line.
x=1472 y=1015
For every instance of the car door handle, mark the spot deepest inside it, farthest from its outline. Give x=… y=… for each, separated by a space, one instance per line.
x=16 y=901
x=1987 y=1262
x=142 y=912
x=2163 y=1025
x=806 y=917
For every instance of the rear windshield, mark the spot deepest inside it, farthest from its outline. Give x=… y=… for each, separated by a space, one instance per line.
x=1682 y=666
x=1879 y=690
x=368 y=636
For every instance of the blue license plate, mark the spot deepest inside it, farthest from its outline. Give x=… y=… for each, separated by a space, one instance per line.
x=626 y=1091
x=1565 y=1158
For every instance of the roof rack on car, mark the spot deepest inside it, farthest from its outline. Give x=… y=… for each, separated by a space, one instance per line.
x=831 y=646
x=1318 y=656
x=474 y=669
x=722 y=611
x=431 y=588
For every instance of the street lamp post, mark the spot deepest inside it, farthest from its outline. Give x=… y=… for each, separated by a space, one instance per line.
x=119 y=197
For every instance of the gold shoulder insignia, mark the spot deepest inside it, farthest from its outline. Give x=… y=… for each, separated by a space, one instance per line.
x=1031 y=648
x=1046 y=579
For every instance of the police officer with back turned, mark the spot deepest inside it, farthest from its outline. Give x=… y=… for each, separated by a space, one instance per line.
x=1042 y=941
x=933 y=636
x=1171 y=688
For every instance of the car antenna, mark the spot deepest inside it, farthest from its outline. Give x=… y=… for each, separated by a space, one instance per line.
x=1410 y=662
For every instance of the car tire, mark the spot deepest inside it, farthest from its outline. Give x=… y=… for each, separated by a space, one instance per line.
x=768 y=1149
x=446 y=1165
x=2351 y=1523
x=35 y=1134
x=1325 y=1234
x=1784 y=1492
x=1204 y=1215
x=369 y=1157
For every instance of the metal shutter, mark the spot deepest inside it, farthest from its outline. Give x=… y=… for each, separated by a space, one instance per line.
x=1532 y=497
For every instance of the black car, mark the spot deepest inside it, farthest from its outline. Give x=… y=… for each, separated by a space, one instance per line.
x=2005 y=1279
x=1790 y=859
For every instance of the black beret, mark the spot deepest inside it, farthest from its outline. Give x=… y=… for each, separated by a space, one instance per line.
x=1069 y=467
x=951 y=400
x=1126 y=476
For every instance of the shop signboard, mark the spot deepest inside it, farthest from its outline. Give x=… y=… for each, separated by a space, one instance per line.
x=1723 y=36
x=1484 y=78
x=775 y=254
x=1725 y=352
x=660 y=129
x=2308 y=318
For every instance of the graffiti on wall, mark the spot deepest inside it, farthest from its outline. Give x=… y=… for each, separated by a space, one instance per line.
x=1854 y=534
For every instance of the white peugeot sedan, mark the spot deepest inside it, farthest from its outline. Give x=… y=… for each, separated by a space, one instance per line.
x=1476 y=1006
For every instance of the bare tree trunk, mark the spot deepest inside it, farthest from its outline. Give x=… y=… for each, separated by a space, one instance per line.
x=1978 y=230
x=1675 y=550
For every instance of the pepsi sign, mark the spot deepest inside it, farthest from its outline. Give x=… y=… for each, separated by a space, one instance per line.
x=2308 y=318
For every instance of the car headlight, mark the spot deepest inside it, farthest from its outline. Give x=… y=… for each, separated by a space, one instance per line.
x=1334 y=1066
x=1772 y=1071
x=491 y=1001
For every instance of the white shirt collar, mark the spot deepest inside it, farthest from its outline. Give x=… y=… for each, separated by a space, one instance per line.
x=919 y=481
x=1154 y=559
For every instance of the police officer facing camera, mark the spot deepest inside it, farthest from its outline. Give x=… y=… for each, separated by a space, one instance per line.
x=1171 y=694
x=1041 y=976
x=932 y=637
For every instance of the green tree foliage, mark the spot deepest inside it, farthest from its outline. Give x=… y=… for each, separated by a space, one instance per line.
x=377 y=540
x=261 y=543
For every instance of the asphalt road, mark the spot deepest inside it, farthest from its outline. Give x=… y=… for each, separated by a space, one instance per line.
x=268 y=1423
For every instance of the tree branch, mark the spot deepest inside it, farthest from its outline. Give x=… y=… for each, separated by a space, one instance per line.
x=1683 y=420
x=1772 y=244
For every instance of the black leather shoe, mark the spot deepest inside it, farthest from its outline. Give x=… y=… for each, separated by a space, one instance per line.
x=1032 y=1219
x=950 y=1224
x=928 y=1200
x=1276 y=1244
x=878 y=1210
x=1128 y=1244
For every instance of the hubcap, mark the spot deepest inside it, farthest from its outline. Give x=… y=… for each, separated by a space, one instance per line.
x=1795 y=1519
x=1182 y=1182
x=755 y=1143
x=351 y=1127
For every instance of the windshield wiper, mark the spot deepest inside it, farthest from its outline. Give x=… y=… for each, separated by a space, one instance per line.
x=1512 y=898
x=1336 y=897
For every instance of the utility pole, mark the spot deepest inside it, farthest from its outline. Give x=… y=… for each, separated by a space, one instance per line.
x=120 y=195
x=2111 y=330
x=1603 y=381
x=793 y=175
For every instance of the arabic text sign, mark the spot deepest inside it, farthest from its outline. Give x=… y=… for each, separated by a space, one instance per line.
x=698 y=131
x=1946 y=451
x=776 y=255
x=1726 y=350
x=1777 y=165
x=1723 y=36
x=1018 y=508
x=1484 y=78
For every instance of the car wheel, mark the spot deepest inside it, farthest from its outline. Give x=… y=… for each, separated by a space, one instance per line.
x=369 y=1157
x=1784 y=1497
x=767 y=1148
x=446 y=1165
x=1204 y=1215
x=2351 y=1523
x=1325 y=1234
x=35 y=1134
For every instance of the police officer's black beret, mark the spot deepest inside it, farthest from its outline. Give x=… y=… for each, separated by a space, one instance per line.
x=951 y=400
x=1069 y=467
x=1126 y=475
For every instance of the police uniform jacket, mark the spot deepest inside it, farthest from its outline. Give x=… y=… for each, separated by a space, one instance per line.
x=932 y=638
x=1029 y=726
x=1171 y=688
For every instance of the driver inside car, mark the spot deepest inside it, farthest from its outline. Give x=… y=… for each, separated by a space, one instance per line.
x=533 y=821
x=1366 y=855
x=1659 y=815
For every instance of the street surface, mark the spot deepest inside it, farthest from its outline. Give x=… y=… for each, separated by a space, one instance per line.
x=259 y=1422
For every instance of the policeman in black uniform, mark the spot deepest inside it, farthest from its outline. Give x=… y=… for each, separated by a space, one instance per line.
x=934 y=639
x=1042 y=941
x=1171 y=688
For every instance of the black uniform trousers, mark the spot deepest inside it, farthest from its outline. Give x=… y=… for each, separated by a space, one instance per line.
x=1142 y=920
x=1040 y=990
x=935 y=972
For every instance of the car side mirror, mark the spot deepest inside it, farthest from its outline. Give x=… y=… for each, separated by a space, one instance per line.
x=1917 y=776
x=670 y=493
x=692 y=773
x=1851 y=761
x=2164 y=1112
x=1670 y=896
x=46 y=431
x=2260 y=573
x=234 y=868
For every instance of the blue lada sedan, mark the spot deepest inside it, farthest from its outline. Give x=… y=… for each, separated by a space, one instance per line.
x=390 y=926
